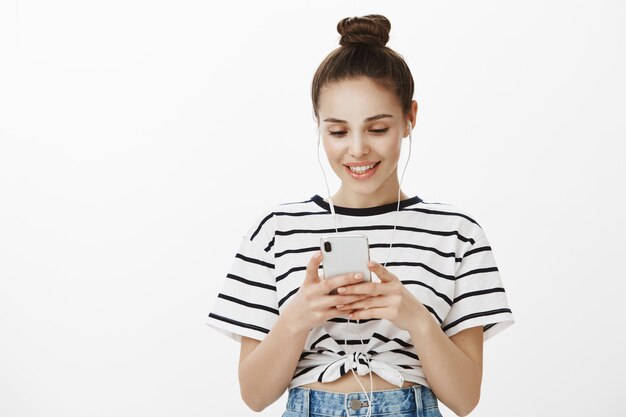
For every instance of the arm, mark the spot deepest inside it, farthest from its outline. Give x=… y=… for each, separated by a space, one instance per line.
x=453 y=366
x=266 y=367
x=262 y=378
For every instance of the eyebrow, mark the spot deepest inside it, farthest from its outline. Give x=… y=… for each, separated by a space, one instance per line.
x=369 y=119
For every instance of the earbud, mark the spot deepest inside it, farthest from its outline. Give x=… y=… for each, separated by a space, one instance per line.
x=410 y=127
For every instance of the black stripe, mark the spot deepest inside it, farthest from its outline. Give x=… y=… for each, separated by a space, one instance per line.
x=296 y=202
x=254 y=261
x=395 y=339
x=305 y=354
x=322 y=338
x=294 y=269
x=281 y=213
x=437 y=293
x=473 y=251
x=304 y=371
x=474 y=315
x=239 y=323
x=434 y=313
x=269 y=216
x=299 y=213
x=341 y=320
x=408 y=245
x=285 y=298
x=269 y=245
x=443 y=213
x=352 y=342
x=478 y=271
x=488 y=326
x=404 y=352
x=366 y=211
x=247 y=304
x=320 y=351
x=342 y=369
x=424 y=266
x=378 y=245
x=319 y=379
x=254 y=283
x=376 y=227
x=480 y=292
x=407 y=366
x=285 y=252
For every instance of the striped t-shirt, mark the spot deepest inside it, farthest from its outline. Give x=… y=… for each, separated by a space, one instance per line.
x=439 y=252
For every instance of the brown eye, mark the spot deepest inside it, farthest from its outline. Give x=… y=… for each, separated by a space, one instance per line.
x=337 y=132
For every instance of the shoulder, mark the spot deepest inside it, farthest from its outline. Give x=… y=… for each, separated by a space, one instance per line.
x=450 y=217
x=265 y=220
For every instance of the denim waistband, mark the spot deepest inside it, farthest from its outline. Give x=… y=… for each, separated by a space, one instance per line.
x=400 y=400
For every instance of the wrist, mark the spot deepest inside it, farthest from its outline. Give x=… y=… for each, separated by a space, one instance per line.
x=291 y=327
x=424 y=325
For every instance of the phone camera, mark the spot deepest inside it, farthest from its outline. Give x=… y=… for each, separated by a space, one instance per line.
x=327 y=247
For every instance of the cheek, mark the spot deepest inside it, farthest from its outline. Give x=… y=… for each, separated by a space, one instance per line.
x=392 y=151
x=333 y=151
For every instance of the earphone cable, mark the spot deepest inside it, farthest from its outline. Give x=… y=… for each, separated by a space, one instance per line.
x=332 y=210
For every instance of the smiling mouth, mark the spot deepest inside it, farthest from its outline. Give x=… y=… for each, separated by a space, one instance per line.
x=363 y=168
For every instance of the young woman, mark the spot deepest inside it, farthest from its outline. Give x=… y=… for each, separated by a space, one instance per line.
x=414 y=334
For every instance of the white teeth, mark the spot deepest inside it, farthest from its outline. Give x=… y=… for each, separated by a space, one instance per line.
x=361 y=169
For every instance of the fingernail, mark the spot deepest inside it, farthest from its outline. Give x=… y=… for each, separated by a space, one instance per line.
x=340 y=306
x=341 y=290
x=318 y=254
x=358 y=276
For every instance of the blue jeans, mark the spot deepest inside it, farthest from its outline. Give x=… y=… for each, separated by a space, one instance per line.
x=414 y=401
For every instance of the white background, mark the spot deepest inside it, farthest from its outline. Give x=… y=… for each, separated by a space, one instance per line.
x=139 y=140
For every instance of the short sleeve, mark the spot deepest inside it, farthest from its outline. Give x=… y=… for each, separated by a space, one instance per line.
x=247 y=303
x=479 y=296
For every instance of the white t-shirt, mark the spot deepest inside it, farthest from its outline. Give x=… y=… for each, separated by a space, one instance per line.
x=439 y=252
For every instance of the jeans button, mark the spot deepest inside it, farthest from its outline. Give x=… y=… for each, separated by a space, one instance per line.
x=356 y=404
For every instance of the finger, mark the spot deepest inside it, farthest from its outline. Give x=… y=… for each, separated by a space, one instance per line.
x=369 y=302
x=370 y=313
x=312 y=268
x=381 y=272
x=337 y=281
x=370 y=288
x=342 y=300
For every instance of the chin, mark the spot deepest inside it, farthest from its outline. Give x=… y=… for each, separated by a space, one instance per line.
x=364 y=190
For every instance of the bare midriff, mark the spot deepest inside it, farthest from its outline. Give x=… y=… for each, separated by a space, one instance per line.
x=348 y=383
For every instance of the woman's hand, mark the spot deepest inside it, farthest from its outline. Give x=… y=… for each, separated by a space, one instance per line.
x=388 y=299
x=312 y=305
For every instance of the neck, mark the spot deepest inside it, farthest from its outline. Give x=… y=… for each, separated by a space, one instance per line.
x=347 y=198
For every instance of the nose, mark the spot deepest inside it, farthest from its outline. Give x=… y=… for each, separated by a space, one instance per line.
x=358 y=145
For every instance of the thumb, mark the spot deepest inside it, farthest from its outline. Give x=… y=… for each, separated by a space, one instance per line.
x=312 y=268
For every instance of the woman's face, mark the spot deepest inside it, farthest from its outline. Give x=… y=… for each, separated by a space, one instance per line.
x=362 y=126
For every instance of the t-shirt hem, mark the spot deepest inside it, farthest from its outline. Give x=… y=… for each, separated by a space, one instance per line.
x=234 y=332
x=497 y=325
x=409 y=378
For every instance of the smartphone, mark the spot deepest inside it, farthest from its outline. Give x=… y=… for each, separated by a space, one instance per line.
x=344 y=253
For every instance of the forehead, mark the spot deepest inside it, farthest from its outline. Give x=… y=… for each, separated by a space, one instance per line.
x=356 y=99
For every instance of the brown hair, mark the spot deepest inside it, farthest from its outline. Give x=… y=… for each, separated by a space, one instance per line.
x=363 y=53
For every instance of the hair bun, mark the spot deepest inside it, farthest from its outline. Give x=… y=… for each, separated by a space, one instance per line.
x=372 y=29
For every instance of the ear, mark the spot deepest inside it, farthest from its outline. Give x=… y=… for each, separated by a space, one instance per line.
x=410 y=118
